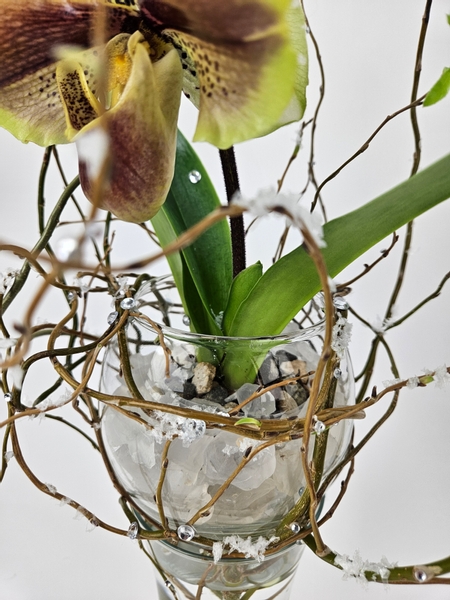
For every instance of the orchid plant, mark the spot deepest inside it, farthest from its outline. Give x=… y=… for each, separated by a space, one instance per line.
x=108 y=77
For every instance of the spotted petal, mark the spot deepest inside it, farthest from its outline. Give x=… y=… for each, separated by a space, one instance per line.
x=240 y=65
x=31 y=33
x=141 y=130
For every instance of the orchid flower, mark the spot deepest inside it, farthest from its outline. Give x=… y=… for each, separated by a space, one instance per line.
x=110 y=74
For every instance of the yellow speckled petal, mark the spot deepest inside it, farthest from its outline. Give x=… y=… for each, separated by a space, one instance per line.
x=80 y=105
x=239 y=62
x=142 y=129
x=31 y=33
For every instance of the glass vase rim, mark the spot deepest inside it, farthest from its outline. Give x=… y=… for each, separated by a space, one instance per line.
x=191 y=336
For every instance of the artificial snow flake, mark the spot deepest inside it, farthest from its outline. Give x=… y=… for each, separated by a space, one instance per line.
x=268 y=201
x=80 y=513
x=217 y=550
x=50 y=403
x=51 y=488
x=412 y=382
x=247 y=547
x=122 y=280
x=17 y=375
x=6 y=343
x=65 y=500
x=92 y=524
x=380 y=325
x=332 y=284
x=84 y=287
x=8 y=456
x=342 y=333
x=441 y=376
x=7 y=279
x=356 y=567
x=388 y=382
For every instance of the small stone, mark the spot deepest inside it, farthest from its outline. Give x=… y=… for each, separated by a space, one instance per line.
x=128 y=303
x=295 y=527
x=189 y=390
x=186 y=533
x=340 y=303
x=7 y=397
x=337 y=373
x=293 y=368
x=194 y=176
x=230 y=405
x=133 y=531
x=217 y=394
x=204 y=374
x=285 y=402
x=319 y=427
x=111 y=318
x=186 y=320
x=268 y=372
x=298 y=392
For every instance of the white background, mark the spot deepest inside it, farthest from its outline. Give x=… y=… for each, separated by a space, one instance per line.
x=397 y=504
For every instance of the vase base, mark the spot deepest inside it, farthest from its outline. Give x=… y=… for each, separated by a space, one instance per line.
x=183 y=575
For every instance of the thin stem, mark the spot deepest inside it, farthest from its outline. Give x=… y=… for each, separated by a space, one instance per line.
x=42 y=243
x=230 y=175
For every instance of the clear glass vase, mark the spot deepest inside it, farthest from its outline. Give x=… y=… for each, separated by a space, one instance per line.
x=206 y=455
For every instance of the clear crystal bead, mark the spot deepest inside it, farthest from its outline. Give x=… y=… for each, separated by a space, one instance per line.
x=169 y=585
x=70 y=296
x=319 y=427
x=112 y=317
x=337 y=373
x=133 y=531
x=295 y=527
x=340 y=303
x=128 y=303
x=7 y=397
x=420 y=575
x=186 y=533
x=186 y=320
x=195 y=176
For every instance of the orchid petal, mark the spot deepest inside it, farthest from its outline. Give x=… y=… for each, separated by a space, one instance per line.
x=32 y=32
x=239 y=63
x=142 y=129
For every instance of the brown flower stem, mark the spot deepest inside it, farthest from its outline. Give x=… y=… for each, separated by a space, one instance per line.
x=230 y=175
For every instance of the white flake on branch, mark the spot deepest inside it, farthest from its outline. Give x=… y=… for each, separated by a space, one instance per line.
x=357 y=568
x=7 y=279
x=246 y=547
x=342 y=333
x=268 y=201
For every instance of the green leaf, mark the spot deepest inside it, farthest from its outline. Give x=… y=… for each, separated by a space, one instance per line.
x=205 y=269
x=286 y=287
x=440 y=89
x=241 y=287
